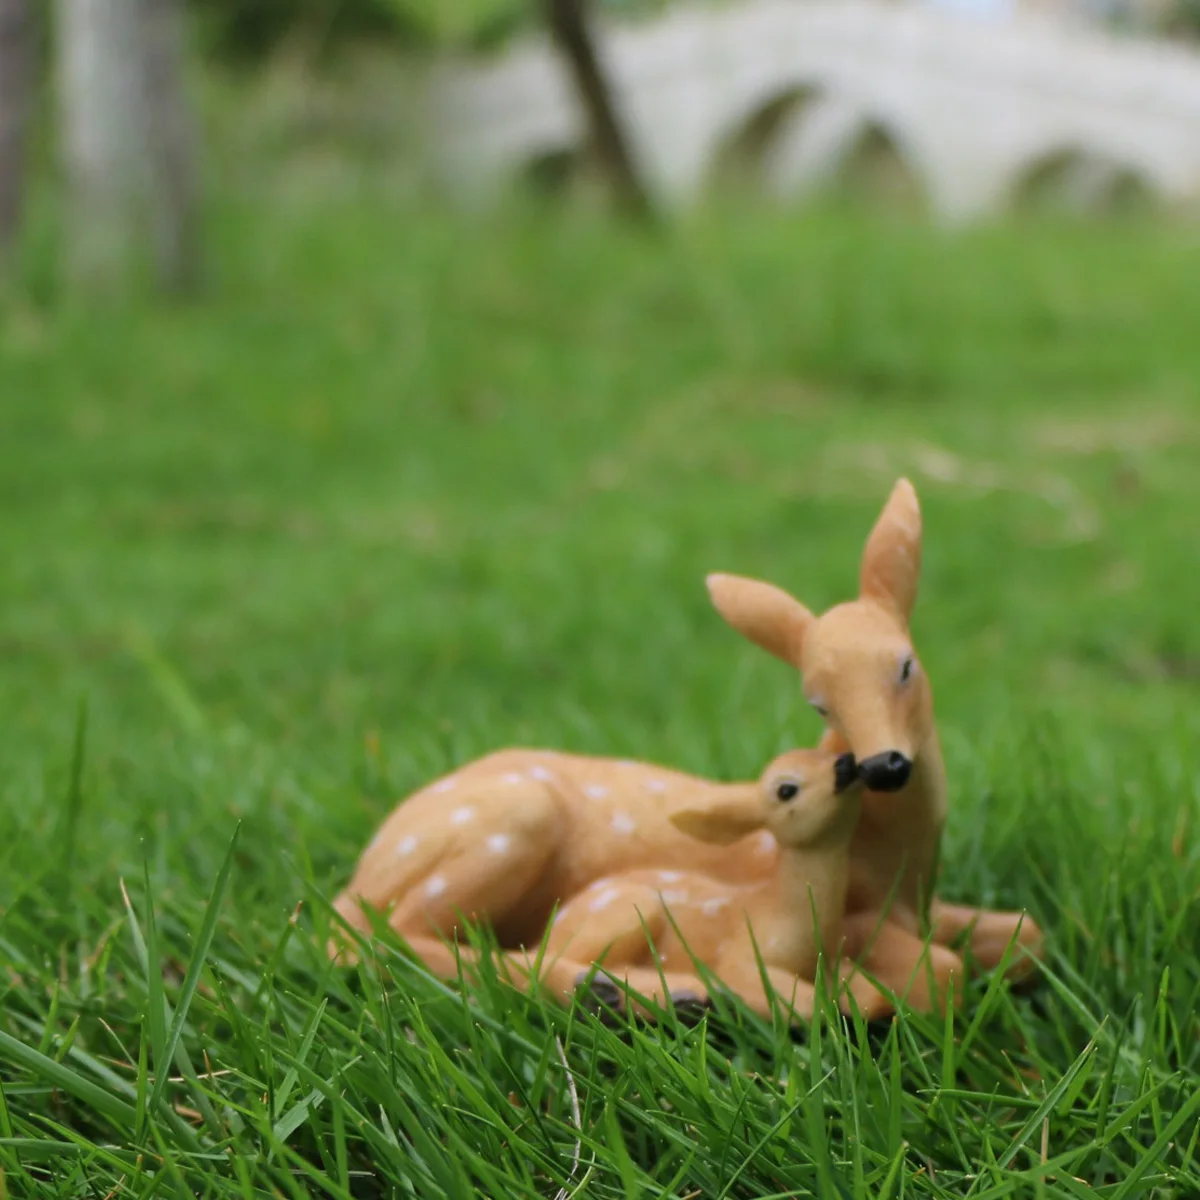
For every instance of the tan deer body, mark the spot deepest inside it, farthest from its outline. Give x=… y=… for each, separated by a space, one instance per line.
x=861 y=673
x=785 y=919
x=512 y=836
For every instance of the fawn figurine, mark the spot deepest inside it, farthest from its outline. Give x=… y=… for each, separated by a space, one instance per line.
x=861 y=673
x=778 y=924
x=512 y=836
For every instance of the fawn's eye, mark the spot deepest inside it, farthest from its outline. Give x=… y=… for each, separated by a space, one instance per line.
x=787 y=791
x=906 y=669
x=820 y=708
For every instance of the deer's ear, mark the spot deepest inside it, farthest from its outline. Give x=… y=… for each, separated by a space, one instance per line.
x=891 y=561
x=720 y=819
x=765 y=614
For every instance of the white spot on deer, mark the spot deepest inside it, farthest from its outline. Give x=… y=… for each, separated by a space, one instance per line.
x=656 y=785
x=711 y=907
x=597 y=791
x=512 y=777
x=498 y=843
x=460 y=816
x=406 y=845
x=436 y=886
x=623 y=823
x=670 y=876
x=445 y=785
x=542 y=773
x=675 y=896
x=603 y=900
x=766 y=842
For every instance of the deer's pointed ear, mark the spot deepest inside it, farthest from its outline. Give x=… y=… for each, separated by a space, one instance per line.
x=720 y=819
x=891 y=561
x=765 y=614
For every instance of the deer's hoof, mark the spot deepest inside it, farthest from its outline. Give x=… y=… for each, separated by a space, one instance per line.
x=598 y=994
x=690 y=1007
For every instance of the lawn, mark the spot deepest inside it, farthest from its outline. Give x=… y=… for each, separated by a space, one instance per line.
x=403 y=490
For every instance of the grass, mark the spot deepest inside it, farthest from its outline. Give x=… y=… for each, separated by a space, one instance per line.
x=404 y=490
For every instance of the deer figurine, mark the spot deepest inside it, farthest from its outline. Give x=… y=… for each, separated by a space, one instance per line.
x=860 y=672
x=515 y=835
x=778 y=924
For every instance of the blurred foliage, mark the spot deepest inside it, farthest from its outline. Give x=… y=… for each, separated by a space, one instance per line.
x=249 y=30
x=1182 y=20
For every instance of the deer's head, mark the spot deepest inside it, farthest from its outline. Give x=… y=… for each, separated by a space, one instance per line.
x=857 y=660
x=805 y=798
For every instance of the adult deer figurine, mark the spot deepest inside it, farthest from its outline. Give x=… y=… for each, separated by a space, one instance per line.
x=509 y=837
x=862 y=675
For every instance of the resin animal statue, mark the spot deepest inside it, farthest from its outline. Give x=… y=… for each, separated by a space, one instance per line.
x=861 y=673
x=558 y=852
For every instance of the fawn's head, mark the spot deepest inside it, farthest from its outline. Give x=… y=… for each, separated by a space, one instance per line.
x=805 y=798
x=857 y=660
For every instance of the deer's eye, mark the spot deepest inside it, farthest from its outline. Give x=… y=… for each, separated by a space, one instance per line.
x=820 y=708
x=906 y=669
x=787 y=791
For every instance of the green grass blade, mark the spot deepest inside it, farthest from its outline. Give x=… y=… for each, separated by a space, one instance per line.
x=73 y=801
x=155 y=998
x=1047 y=1106
x=199 y=958
x=1154 y=1153
x=117 y=1112
x=293 y=1073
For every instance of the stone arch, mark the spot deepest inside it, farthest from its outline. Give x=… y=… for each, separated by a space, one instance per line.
x=877 y=166
x=739 y=158
x=553 y=173
x=1075 y=180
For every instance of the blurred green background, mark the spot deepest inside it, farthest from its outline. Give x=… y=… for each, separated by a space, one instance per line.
x=399 y=486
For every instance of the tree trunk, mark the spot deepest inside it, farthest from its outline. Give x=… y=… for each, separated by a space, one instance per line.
x=16 y=102
x=568 y=26
x=99 y=77
x=171 y=145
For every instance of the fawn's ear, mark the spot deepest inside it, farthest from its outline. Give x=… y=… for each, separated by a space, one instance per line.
x=891 y=561
x=765 y=614
x=720 y=819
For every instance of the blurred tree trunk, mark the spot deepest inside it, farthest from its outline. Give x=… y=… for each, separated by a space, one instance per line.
x=171 y=145
x=99 y=77
x=127 y=139
x=16 y=102
x=568 y=26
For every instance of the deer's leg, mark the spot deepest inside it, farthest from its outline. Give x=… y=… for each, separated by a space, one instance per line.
x=683 y=991
x=921 y=975
x=990 y=934
x=474 y=861
x=614 y=933
x=497 y=843
x=614 y=920
x=741 y=974
x=566 y=976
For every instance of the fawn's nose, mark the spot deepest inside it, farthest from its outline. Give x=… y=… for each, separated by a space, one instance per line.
x=886 y=772
x=845 y=772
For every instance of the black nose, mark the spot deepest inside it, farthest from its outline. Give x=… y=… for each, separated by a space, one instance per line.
x=845 y=772
x=886 y=772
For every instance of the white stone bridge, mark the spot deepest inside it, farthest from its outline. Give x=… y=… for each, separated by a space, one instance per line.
x=973 y=108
